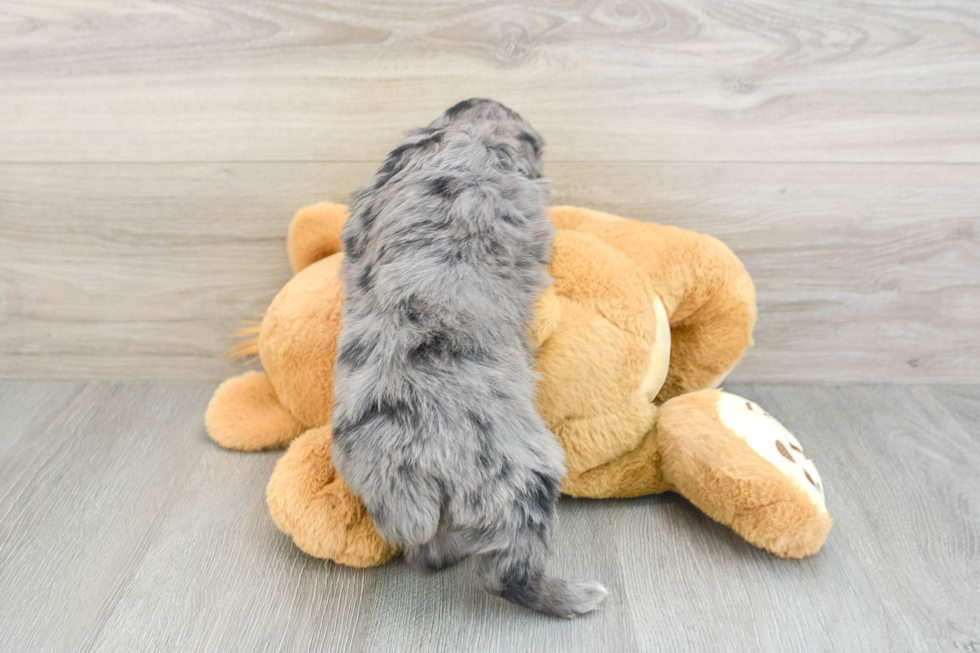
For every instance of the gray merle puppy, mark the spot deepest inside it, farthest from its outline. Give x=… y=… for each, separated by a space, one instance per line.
x=434 y=424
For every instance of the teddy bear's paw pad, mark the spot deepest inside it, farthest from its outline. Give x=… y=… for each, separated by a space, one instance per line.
x=772 y=441
x=656 y=374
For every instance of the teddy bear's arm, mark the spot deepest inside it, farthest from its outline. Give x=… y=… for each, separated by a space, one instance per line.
x=314 y=234
x=711 y=325
x=707 y=293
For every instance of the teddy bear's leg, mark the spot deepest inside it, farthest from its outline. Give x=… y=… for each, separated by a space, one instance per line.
x=246 y=414
x=314 y=234
x=740 y=466
x=310 y=502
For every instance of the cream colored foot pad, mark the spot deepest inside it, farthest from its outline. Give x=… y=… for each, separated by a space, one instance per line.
x=772 y=441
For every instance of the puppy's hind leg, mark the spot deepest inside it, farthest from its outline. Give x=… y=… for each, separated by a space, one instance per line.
x=441 y=552
x=405 y=511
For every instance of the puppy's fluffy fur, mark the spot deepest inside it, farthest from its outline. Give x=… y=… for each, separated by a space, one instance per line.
x=434 y=424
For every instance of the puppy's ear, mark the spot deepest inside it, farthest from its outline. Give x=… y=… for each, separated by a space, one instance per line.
x=530 y=150
x=418 y=141
x=353 y=236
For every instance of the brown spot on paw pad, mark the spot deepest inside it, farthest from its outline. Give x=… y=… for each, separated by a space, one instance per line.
x=748 y=405
x=783 y=451
x=812 y=482
x=796 y=448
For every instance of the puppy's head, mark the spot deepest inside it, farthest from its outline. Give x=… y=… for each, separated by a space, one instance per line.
x=508 y=127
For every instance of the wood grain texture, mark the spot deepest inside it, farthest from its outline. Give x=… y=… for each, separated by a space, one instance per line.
x=604 y=80
x=867 y=273
x=151 y=154
x=123 y=528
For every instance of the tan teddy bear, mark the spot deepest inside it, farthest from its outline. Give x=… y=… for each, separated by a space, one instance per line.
x=642 y=322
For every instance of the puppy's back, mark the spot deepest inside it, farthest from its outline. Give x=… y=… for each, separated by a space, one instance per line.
x=434 y=423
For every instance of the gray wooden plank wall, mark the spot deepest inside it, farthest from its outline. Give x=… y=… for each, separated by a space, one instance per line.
x=151 y=155
x=123 y=528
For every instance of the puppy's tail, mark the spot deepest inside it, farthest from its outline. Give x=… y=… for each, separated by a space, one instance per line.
x=515 y=581
x=515 y=570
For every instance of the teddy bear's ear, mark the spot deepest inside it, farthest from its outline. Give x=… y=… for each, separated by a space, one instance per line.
x=314 y=234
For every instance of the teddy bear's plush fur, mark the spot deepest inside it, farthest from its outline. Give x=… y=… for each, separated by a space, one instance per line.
x=641 y=323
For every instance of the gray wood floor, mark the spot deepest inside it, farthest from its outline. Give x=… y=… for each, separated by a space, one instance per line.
x=123 y=528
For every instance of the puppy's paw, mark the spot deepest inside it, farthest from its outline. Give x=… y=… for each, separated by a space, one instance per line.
x=439 y=553
x=584 y=596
